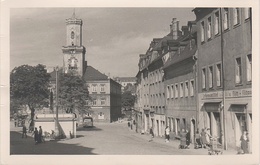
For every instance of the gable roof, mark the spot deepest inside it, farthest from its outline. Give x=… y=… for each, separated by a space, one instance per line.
x=93 y=74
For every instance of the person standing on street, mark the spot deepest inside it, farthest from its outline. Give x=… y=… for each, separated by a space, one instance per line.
x=244 y=143
x=24 y=132
x=36 y=135
x=40 y=134
x=187 y=139
x=152 y=134
x=167 y=134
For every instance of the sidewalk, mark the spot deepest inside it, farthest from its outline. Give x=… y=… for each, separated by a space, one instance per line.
x=175 y=144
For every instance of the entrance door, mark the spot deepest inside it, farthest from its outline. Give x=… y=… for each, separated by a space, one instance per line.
x=192 y=131
x=157 y=127
x=216 y=131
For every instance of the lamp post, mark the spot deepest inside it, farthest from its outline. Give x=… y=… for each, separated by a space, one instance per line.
x=56 y=69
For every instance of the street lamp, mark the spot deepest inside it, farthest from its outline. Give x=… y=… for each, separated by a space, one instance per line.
x=56 y=69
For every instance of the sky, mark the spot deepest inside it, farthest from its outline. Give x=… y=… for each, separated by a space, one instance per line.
x=113 y=37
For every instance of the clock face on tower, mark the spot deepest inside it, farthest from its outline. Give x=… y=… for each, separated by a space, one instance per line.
x=72 y=62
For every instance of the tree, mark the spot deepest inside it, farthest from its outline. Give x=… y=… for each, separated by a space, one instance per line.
x=128 y=100
x=29 y=86
x=129 y=87
x=73 y=94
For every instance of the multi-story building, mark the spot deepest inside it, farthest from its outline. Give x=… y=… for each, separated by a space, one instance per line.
x=150 y=85
x=225 y=72
x=105 y=92
x=179 y=82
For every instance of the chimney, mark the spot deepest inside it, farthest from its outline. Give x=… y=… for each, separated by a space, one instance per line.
x=174 y=27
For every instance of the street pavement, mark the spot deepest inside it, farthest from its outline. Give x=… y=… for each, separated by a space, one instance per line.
x=103 y=139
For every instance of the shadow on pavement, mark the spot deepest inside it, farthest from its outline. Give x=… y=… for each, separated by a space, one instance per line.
x=26 y=146
x=88 y=129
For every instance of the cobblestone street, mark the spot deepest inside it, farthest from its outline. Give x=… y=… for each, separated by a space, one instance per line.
x=103 y=139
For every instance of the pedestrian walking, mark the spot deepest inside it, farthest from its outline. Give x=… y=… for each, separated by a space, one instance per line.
x=128 y=124
x=15 y=123
x=197 y=140
x=40 y=135
x=182 y=139
x=36 y=135
x=208 y=136
x=24 y=132
x=151 y=134
x=167 y=134
x=244 y=143
x=187 y=139
x=203 y=138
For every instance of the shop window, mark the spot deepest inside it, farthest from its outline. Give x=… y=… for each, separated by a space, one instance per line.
x=210 y=77
x=216 y=26
x=226 y=17
x=203 y=78
x=176 y=92
x=202 y=31
x=238 y=71
x=191 y=87
x=236 y=18
x=209 y=28
x=249 y=68
x=218 y=74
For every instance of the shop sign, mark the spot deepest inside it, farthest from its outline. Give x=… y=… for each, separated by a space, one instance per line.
x=239 y=93
x=212 y=95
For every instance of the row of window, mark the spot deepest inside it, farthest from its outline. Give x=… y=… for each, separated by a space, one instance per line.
x=180 y=90
x=155 y=76
x=213 y=22
x=217 y=73
x=102 y=101
x=95 y=87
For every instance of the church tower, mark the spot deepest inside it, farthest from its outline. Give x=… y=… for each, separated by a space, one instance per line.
x=74 y=51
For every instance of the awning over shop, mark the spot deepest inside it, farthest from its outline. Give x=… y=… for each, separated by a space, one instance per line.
x=238 y=107
x=213 y=106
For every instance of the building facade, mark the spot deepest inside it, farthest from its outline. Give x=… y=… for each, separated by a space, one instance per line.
x=180 y=83
x=225 y=72
x=105 y=94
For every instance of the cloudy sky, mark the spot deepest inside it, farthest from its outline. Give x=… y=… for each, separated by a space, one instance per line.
x=113 y=37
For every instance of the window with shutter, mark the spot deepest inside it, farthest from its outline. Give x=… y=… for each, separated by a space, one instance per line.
x=249 y=67
x=238 y=71
x=209 y=28
x=226 y=17
x=202 y=31
x=216 y=26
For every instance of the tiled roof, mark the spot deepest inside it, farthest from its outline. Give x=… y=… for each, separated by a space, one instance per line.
x=187 y=52
x=93 y=74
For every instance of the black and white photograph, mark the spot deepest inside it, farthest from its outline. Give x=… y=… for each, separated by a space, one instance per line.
x=159 y=84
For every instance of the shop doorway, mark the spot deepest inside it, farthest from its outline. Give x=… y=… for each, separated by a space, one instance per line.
x=240 y=126
x=216 y=126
